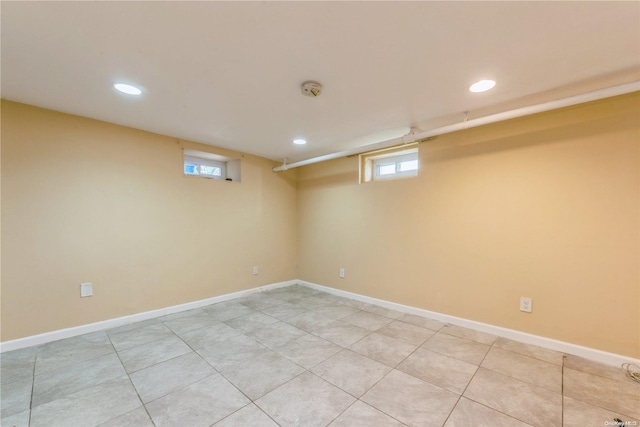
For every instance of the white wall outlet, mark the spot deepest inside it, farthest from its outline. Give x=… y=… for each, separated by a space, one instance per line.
x=525 y=304
x=342 y=273
x=86 y=290
x=255 y=270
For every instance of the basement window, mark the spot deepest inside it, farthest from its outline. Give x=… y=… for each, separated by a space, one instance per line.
x=389 y=164
x=209 y=165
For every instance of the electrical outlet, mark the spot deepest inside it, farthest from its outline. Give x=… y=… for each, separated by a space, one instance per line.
x=342 y=273
x=255 y=270
x=86 y=290
x=525 y=304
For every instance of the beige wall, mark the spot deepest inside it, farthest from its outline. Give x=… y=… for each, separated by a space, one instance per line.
x=88 y=201
x=546 y=206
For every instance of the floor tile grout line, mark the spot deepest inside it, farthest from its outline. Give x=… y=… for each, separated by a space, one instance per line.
x=156 y=363
x=268 y=391
x=277 y=387
x=252 y=401
x=270 y=417
x=217 y=372
x=469 y=382
x=480 y=403
x=131 y=382
x=342 y=349
x=444 y=354
x=392 y=368
x=606 y=377
x=33 y=382
x=448 y=326
x=62 y=368
x=528 y=355
x=597 y=405
x=240 y=409
x=342 y=412
x=495 y=409
x=379 y=409
x=521 y=379
x=562 y=389
x=408 y=356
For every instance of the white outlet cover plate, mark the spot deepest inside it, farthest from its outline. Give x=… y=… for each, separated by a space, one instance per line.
x=86 y=290
x=525 y=304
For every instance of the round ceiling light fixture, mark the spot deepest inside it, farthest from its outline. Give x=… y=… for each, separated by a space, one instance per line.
x=482 y=86
x=311 y=89
x=299 y=141
x=127 y=88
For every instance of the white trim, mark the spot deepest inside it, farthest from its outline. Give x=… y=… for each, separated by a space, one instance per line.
x=125 y=320
x=562 y=346
x=612 y=359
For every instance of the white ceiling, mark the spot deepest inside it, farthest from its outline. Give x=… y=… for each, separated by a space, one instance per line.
x=229 y=73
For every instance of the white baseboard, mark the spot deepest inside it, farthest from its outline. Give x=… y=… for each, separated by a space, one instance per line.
x=523 y=337
x=562 y=346
x=125 y=320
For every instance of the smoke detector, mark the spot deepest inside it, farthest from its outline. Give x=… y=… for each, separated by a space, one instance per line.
x=311 y=89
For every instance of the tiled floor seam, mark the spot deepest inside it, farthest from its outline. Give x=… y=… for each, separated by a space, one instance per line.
x=373 y=385
x=376 y=383
x=240 y=409
x=409 y=355
x=130 y=381
x=362 y=401
x=33 y=384
x=264 y=394
x=564 y=357
x=594 y=404
x=345 y=410
x=522 y=380
x=378 y=409
x=607 y=377
x=260 y=409
x=187 y=385
x=344 y=348
x=480 y=403
x=467 y=386
x=281 y=385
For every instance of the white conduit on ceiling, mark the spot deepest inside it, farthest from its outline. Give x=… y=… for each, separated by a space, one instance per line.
x=512 y=114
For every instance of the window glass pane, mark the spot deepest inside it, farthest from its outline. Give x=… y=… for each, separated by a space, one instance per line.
x=410 y=165
x=190 y=169
x=210 y=170
x=387 y=169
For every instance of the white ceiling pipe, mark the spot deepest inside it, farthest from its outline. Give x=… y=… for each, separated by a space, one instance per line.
x=493 y=118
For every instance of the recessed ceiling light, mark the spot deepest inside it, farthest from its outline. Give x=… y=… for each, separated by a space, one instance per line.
x=299 y=141
x=128 y=89
x=482 y=86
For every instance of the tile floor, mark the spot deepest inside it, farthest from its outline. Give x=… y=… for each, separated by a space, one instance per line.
x=298 y=357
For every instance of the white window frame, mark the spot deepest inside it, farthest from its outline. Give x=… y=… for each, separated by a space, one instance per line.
x=371 y=164
x=198 y=161
x=395 y=160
